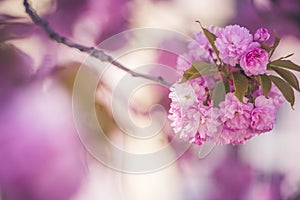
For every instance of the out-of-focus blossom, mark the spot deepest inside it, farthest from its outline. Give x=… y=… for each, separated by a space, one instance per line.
x=232 y=179
x=232 y=43
x=15 y=70
x=267 y=187
x=14 y=30
x=99 y=19
x=65 y=15
x=104 y=19
x=40 y=155
x=280 y=15
x=254 y=61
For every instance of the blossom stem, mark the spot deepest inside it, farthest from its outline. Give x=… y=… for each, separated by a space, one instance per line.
x=93 y=51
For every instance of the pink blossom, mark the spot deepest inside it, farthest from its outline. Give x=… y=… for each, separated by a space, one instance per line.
x=210 y=124
x=199 y=89
x=263 y=116
x=184 y=62
x=203 y=42
x=192 y=120
x=184 y=94
x=261 y=35
x=276 y=96
x=237 y=136
x=183 y=110
x=254 y=61
x=198 y=49
x=236 y=114
x=195 y=52
x=197 y=139
x=232 y=43
x=189 y=123
x=202 y=39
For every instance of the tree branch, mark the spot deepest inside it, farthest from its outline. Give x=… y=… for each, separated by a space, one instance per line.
x=99 y=54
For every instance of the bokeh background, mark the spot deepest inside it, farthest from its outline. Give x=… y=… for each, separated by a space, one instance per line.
x=41 y=155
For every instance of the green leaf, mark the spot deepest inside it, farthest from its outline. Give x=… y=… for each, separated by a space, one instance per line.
x=240 y=85
x=211 y=39
x=199 y=69
x=287 y=76
x=285 y=89
x=285 y=64
x=227 y=87
x=266 y=47
x=265 y=83
x=285 y=57
x=275 y=45
x=218 y=94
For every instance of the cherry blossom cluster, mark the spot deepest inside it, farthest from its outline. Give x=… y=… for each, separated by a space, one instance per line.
x=227 y=93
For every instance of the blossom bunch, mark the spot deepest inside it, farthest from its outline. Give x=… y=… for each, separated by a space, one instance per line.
x=230 y=89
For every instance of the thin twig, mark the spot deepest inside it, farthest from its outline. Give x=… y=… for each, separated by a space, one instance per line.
x=99 y=54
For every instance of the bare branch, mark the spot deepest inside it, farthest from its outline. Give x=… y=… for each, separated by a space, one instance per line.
x=99 y=54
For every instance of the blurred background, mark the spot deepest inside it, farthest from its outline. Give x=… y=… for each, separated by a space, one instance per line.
x=41 y=154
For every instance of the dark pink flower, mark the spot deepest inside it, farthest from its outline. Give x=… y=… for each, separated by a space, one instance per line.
x=261 y=35
x=254 y=61
x=236 y=114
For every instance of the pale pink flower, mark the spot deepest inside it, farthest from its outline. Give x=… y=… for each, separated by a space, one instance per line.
x=192 y=120
x=254 y=61
x=208 y=121
x=232 y=43
x=261 y=35
x=189 y=123
x=276 y=96
x=263 y=116
x=183 y=93
x=183 y=110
